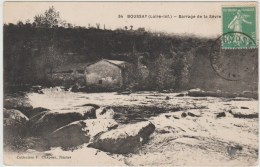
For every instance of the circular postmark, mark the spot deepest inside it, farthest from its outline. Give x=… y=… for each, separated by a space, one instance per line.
x=233 y=64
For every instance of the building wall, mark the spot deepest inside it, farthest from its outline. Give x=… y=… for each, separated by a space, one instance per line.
x=104 y=74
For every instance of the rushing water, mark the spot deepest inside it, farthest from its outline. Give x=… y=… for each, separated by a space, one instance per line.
x=57 y=98
x=128 y=108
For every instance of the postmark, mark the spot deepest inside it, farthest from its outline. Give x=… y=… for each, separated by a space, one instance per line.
x=233 y=64
x=243 y=21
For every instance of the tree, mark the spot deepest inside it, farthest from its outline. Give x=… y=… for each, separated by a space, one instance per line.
x=141 y=29
x=28 y=21
x=53 y=58
x=50 y=18
x=98 y=25
x=69 y=25
x=20 y=23
x=39 y=21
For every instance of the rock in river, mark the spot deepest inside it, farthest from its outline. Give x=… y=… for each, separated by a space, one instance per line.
x=14 y=123
x=244 y=113
x=105 y=113
x=36 y=111
x=48 y=122
x=221 y=114
x=80 y=132
x=14 y=116
x=125 y=139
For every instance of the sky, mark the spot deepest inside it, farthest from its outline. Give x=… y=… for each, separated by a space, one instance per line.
x=85 y=13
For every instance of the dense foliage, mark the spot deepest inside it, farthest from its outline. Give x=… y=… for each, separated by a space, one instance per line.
x=173 y=62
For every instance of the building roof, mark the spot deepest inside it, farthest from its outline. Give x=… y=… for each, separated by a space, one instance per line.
x=118 y=63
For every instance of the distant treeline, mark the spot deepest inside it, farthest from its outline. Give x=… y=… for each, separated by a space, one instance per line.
x=174 y=62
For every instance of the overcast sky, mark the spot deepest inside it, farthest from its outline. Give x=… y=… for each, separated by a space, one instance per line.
x=84 y=13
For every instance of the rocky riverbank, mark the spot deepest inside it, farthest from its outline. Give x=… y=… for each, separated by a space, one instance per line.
x=142 y=128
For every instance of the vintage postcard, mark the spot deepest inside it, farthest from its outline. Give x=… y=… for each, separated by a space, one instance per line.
x=130 y=83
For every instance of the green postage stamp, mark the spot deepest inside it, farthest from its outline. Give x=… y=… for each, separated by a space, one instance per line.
x=239 y=27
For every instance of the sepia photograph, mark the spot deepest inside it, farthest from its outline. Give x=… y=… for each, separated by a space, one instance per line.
x=130 y=83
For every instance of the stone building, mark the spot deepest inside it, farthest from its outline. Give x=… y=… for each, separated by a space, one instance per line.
x=109 y=74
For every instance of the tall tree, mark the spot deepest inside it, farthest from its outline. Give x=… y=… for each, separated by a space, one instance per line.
x=20 y=23
x=50 y=18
